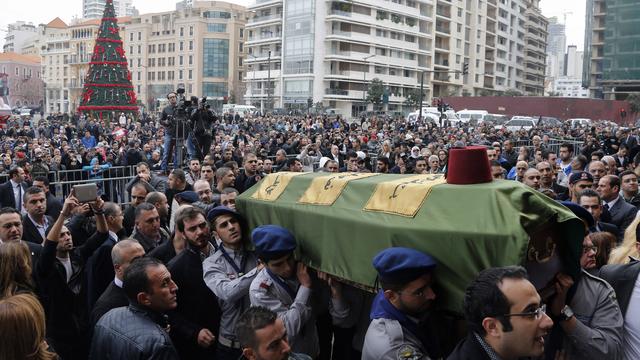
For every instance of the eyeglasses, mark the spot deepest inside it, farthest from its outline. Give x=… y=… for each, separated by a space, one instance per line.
x=590 y=248
x=536 y=314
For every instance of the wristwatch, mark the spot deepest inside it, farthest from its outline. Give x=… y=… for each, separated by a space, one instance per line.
x=566 y=313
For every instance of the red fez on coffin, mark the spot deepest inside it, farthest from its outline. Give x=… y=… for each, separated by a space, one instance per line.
x=468 y=165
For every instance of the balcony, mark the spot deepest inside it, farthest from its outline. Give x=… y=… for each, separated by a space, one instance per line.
x=79 y=60
x=265 y=37
x=340 y=92
x=261 y=19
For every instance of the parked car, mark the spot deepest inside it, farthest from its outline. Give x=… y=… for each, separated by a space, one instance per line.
x=548 y=121
x=496 y=119
x=518 y=123
x=579 y=122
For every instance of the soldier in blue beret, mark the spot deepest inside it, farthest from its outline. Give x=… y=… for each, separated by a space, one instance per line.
x=406 y=276
x=285 y=287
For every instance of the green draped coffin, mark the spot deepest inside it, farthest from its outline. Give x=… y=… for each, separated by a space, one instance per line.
x=342 y=220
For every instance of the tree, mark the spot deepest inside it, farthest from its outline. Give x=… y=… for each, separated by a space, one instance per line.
x=107 y=87
x=376 y=89
x=512 y=92
x=412 y=98
x=634 y=103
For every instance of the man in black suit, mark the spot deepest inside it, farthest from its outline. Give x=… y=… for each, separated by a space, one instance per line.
x=197 y=316
x=11 y=230
x=35 y=223
x=621 y=158
x=591 y=201
x=122 y=254
x=624 y=280
x=622 y=213
x=12 y=192
x=100 y=266
x=54 y=205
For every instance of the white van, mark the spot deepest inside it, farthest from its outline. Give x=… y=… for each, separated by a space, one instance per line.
x=432 y=114
x=239 y=109
x=468 y=115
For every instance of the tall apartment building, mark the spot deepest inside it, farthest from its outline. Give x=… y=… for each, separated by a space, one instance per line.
x=93 y=9
x=55 y=50
x=18 y=35
x=556 y=47
x=611 y=49
x=199 y=45
x=329 y=51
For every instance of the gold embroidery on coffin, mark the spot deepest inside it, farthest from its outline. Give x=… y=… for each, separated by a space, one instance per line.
x=403 y=196
x=325 y=190
x=273 y=185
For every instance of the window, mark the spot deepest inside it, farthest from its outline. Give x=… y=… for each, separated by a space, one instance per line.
x=217 y=15
x=241 y=47
x=181 y=46
x=181 y=32
x=240 y=75
x=214 y=89
x=216 y=58
x=190 y=59
x=139 y=49
x=130 y=49
x=190 y=74
x=131 y=37
x=241 y=33
x=240 y=61
x=139 y=36
x=180 y=60
x=139 y=62
x=190 y=30
x=217 y=28
x=139 y=75
x=191 y=45
x=179 y=74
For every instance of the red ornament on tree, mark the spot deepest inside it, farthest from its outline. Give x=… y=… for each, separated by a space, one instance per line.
x=120 y=51
x=132 y=97
x=86 y=97
x=113 y=30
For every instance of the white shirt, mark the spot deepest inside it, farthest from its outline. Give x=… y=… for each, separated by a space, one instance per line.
x=612 y=202
x=66 y=262
x=632 y=325
x=18 y=195
x=117 y=282
x=42 y=229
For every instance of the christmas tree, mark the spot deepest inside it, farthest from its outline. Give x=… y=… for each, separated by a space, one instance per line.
x=107 y=87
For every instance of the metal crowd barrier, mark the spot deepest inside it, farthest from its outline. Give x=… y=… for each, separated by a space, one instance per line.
x=111 y=182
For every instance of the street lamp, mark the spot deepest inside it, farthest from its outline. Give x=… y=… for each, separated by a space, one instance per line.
x=364 y=81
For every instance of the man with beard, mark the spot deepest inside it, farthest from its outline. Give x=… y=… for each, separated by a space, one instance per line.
x=264 y=337
x=249 y=176
x=61 y=275
x=505 y=316
x=197 y=316
x=194 y=171
x=406 y=277
x=159 y=200
x=225 y=178
x=229 y=273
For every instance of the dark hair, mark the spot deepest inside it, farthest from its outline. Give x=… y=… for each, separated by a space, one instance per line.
x=255 y=318
x=483 y=297
x=188 y=213
x=384 y=160
x=110 y=208
x=13 y=171
x=141 y=163
x=605 y=241
x=625 y=173
x=291 y=162
x=179 y=175
x=135 y=279
x=589 y=193
x=598 y=153
x=145 y=206
x=568 y=146
x=32 y=190
x=613 y=181
x=582 y=160
x=623 y=146
x=351 y=154
x=9 y=210
x=42 y=179
x=154 y=197
x=494 y=163
x=229 y=190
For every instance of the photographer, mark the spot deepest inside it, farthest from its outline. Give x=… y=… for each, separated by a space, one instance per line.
x=202 y=119
x=167 y=122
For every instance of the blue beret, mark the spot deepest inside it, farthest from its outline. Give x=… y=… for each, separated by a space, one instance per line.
x=188 y=196
x=272 y=241
x=580 y=212
x=222 y=210
x=399 y=265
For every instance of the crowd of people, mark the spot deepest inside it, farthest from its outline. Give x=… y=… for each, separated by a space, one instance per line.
x=176 y=273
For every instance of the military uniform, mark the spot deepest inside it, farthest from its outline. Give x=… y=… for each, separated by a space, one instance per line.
x=386 y=339
x=229 y=273
x=393 y=334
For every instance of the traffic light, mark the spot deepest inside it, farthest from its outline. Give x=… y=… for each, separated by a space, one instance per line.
x=623 y=113
x=309 y=102
x=465 y=68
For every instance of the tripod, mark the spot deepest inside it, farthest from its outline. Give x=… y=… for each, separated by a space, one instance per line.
x=182 y=131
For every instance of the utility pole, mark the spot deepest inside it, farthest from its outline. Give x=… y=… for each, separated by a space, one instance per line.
x=269 y=107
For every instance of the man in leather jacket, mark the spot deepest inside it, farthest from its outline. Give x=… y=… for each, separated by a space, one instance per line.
x=166 y=120
x=141 y=330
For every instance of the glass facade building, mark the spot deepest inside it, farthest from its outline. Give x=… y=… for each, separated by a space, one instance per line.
x=216 y=58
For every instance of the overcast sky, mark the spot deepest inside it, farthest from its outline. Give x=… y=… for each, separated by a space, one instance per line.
x=43 y=11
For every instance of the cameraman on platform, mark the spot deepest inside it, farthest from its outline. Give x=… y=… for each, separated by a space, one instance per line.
x=166 y=120
x=202 y=119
